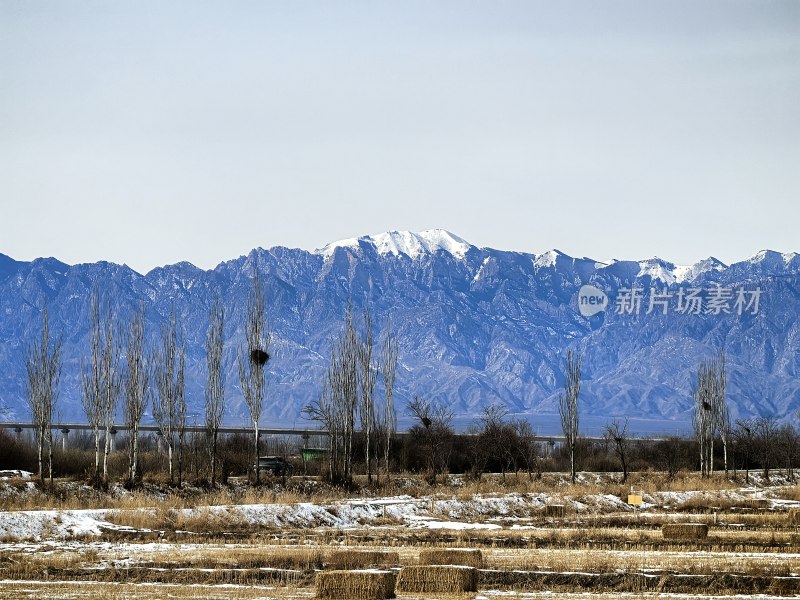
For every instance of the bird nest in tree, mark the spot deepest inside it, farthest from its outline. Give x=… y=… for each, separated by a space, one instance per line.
x=258 y=356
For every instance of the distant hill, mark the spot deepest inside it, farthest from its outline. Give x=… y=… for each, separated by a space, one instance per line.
x=477 y=326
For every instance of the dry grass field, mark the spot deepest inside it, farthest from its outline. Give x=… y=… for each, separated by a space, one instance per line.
x=273 y=544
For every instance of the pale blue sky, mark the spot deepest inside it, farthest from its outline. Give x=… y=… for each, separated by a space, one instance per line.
x=152 y=132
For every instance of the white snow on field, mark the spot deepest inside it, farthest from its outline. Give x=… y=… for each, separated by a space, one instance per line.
x=54 y=524
x=430 y=512
x=15 y=474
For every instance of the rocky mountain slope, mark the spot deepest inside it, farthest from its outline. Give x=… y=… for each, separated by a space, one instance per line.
x=476 y=326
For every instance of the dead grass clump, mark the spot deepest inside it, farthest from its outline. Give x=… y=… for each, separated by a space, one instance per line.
x=141 y=519
x=684 y=531
x=200 y=520
x=356 y=585
x=208 y=520
x=427 y=579
x=755 y=503
x=789 y=493
x=466 y=557
x=355 y=559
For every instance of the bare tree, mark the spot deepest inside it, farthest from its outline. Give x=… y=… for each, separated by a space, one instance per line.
x=101 y=382
x=180 y=395
x=137 y=388
x=92 y=380
x=765 y=430
x=433 y=431
x=703 y=418
x=43 y=366
x=616 y=433
x=169 y=401
x=789 y=445
x=324 y=412
x=215 y=389
x=335 y=407
x=253 y=359
x=744 y=437
x=344 y=382
x=368 y=378
x=711 y=415
x=497 y=436
x=722 y=416
x=568 y=406
x=527 y=448
x=389 y=373
x=111 y=383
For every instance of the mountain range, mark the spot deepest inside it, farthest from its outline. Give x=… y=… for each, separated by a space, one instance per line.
x=476 y=326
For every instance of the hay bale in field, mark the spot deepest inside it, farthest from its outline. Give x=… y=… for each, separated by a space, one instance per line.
x=684 y=531
x=437 y=579
x=352 y=559
x=465 y=557
x=554 y=510
x=356 y=585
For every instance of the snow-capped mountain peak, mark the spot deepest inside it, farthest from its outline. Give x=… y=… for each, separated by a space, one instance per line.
x=657 y=269
x=688 y=273
x=550 y=258
x=773 y=258
x=407 y=243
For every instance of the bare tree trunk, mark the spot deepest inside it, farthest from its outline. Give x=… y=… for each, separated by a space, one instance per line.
x=215 y=389
x=169 y=388
x=180 y=398
x=43 y=368
x=368 y=379
x=568 y=406
x=711 y=415
x=253 y=360
x=109 y=373
x=40 y=447
x=616 y=432
x=723 y=414
x=137 y=388
x=389 y=371
x=92 y=380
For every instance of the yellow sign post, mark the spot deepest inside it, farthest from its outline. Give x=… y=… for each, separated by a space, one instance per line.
x=635 y=499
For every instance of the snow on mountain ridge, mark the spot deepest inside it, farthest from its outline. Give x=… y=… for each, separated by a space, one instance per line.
x=408 y=243
x=657 y=269
x=772 y=255
x=690 y=273
x=552 y=257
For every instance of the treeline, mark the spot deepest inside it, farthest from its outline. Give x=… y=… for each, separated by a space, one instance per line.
x=495 y=443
